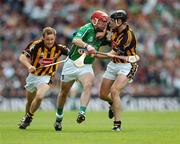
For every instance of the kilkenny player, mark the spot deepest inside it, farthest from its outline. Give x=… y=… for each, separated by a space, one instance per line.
x=119 y=72
x=39 y=53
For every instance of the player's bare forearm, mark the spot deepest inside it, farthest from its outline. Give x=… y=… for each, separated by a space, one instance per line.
x=110 y=54
x=24 y=60
x=79 y=42
x=101 y=56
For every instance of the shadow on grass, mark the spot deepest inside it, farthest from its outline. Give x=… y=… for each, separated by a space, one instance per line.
x=75 y=131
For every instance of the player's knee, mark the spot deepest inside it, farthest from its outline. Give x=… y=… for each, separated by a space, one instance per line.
x=114 y=91
x=39 y=97
x=64 y=93
x=88 y=86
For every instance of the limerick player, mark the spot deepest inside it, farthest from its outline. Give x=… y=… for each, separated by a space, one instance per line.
x=89 y=38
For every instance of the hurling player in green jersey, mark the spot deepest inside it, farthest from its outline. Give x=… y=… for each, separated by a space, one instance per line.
x=87 y=37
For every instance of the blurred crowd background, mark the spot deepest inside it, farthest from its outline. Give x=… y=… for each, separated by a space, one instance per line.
x=156 y=25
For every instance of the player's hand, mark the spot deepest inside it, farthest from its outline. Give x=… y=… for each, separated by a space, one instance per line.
x=31 y=69
x=65 y=48
x=91 y=50
x=62 y=46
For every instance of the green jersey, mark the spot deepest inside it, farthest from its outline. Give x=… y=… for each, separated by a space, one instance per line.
x=88 y=35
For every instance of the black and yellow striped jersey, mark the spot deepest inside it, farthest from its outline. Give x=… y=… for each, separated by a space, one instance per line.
x=124 y=43
x=39 y=54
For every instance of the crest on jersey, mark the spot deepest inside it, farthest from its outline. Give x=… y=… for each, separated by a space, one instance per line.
x=90 y=39
x=79 y=34
x=41 y=55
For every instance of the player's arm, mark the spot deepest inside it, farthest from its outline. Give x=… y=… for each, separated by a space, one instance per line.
x=25 y=58
x=65 y=50
x=79 y=35
x=78 y=40
x=26 y=61
x=80 y=43
x=111 y=54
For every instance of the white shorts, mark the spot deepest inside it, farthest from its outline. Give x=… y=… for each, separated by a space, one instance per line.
x=71 y=72
x=32 y=81
x=114 y=69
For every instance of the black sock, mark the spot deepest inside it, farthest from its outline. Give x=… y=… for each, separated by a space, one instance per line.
x=117 y=123
x=110 y=103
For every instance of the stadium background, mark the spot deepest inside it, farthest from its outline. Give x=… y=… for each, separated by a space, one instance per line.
x=156 y=25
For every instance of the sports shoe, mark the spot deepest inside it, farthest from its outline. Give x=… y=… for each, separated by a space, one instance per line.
x=110 y=113
x=116 y=128
x=58 y=126
x=81 y=117
x=25 y=122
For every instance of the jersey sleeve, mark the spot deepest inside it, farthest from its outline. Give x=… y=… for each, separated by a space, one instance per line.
x=29 y=49
x=81 y=32
x=64 y=49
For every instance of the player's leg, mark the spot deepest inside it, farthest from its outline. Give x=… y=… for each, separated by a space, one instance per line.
x=68 y=77
x=87 y=81
x=105 y=89
x=62 y=96
x=105 y=94
x=118 y=85
x=30 y=97
x=108 y=79
x=41 y=92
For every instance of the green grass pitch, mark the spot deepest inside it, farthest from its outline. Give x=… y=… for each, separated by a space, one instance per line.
x=138 y=128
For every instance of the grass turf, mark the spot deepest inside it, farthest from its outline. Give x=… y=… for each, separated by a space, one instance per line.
x=138 y=128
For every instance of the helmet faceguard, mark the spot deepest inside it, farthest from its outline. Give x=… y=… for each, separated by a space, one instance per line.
x=99 y=16
x=119 y=14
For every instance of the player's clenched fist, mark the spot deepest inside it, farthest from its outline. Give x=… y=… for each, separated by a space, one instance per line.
x=90 y=49
x=31 y=69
